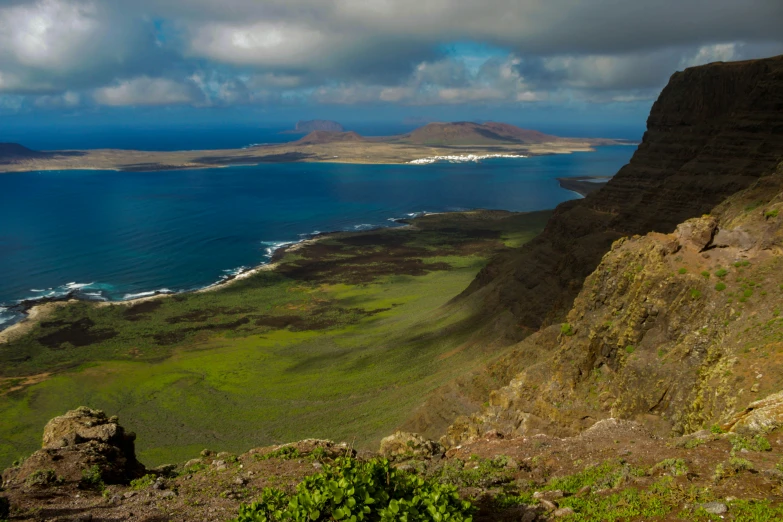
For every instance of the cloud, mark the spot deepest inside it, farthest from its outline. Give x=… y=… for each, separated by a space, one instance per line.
x=148 y=91
x=202 y=52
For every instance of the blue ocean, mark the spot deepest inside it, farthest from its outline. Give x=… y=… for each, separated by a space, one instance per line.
x=118 y=235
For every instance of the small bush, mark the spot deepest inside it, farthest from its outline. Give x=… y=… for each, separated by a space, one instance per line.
x=630 y=349
x=143 y=482
x=771 y=213
x=717 y=430
x=731 y=467
x=352 y=490
x=693 y=443
x=720 y=287
x=721 y=272
x=673 y=467
x=92 y=479
x=757 y=443
x=705 y=274
x=695 y=294
x=44 y=477
x=567 y=329
x=284 y=453
x=682 y=271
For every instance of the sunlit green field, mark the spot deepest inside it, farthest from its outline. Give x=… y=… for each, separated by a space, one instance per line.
x=342 y=341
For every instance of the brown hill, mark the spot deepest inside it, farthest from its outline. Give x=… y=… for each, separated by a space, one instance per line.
x=13 y=152
x=469 y=133
x=320 y=137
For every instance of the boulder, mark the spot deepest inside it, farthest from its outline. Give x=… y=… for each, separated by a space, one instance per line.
x=760 y=416
x=81 y=441
x=323 y=448
x=697 y=232
x=735 y=238
x=409 y=445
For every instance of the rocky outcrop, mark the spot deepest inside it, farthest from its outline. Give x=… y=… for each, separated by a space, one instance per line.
x=409 y=445
x=714 y=130
x=676 y=331
x=81 y=441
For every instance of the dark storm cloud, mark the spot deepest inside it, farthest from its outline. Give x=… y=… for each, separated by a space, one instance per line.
x=205 y=52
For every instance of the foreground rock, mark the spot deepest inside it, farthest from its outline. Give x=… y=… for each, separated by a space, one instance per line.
x=403 y=445
x=82 y=443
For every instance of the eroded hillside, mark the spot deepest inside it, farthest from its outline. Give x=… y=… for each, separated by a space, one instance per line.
x=677 y=331
x=714 y=130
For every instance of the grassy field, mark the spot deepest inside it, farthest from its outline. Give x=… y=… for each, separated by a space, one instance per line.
x=341 y=341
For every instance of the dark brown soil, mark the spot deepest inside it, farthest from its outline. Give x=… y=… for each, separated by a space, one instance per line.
x=78 y=333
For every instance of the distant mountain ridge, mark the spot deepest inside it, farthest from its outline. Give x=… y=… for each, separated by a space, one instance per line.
x=469 y=133
x=305 y=126
x=319 y=137
x=12 y=152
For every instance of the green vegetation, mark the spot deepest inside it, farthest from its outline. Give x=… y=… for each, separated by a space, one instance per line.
x=705 y=274
x=43 y=477
x=720 y=287
x=771 y=213
x=682 y=271
x=673 y=467
x=567 y=329
x=695 y=294
x=756 y=443
x=354 y=490
x=341 y=341
x=721 y=273
x=477 y=472
x=92 y=479
x=143 y=482
x=731 y=467
x=630 y=349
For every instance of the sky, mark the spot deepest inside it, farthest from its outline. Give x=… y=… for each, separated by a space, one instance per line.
x=540 y=62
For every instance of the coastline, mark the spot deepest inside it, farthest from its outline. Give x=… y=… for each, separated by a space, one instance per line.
x=363 y=153
x=34 y=313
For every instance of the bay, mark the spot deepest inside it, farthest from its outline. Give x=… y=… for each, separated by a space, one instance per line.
x=116 y=235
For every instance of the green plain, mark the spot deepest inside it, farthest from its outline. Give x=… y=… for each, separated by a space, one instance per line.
x=342 y=341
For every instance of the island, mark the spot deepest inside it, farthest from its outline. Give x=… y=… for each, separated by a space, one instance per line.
x=459 y=141
x=307 y=126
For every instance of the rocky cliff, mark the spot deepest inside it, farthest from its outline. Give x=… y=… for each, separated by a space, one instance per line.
x=714 y=131
x=676 y=331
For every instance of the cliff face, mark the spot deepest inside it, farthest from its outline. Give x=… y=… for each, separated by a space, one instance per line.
x=677 y=331
x=714 y=130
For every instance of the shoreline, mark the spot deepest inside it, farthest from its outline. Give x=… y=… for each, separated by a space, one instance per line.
x=35 y=312
x=34 y=309
x=364 y=153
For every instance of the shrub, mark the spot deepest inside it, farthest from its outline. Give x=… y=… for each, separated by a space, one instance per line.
x=771 y=213
x=92 y=478
x=567 y=329
x=673 y=467
x=284 y=453
x=682 y=271
x=705 y=274
x=720 y=287
x=757 y=443
x=44 y=477
x=353 y=490
x=630 y=349
x=717 y=430
x=695 y=294
x=721 y=272
x=731 y=467
x=143 y=482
